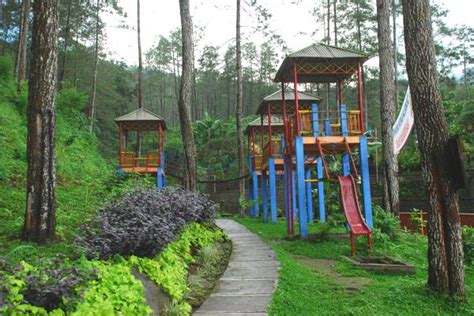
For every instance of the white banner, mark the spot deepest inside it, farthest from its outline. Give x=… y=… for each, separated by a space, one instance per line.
x=403 y=125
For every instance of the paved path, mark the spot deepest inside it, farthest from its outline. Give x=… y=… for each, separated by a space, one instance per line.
x=247 y=285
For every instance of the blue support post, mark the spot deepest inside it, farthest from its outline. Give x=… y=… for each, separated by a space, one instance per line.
x=285 y=190
x=159 y=173
x=346 y=167
x=264 y=197
x=273 y=198
x=251 y=196
x=315 y=119
x=364 y=171
x=256 y=208
x=327 y=127
x=321 y=205
x=309 y=196
x=300 y=175
x=293 y=188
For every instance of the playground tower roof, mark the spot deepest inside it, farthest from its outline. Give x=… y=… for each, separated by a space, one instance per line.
x=275 y=99
x=320 y=63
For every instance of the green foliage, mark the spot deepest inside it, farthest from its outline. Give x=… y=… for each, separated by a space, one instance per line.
x=81 y=171
x=6 y=68
x=385 y=295
x=170 y=268
x=416 y=219
x=386 y=222
x=468 y=244
x=115 y=291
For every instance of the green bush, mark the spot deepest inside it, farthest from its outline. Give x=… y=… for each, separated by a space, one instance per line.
x=468 y=244
x=386 y=222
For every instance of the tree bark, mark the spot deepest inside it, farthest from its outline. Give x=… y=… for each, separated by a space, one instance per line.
x=190 y=166
x=94 y=76
x=40 y=211
x=445 y=252
x=20 y=65
x=387 y=109
x=334 y=5
x=140 y=63
x=395 y=49
x=67 y=29
x=238 y=111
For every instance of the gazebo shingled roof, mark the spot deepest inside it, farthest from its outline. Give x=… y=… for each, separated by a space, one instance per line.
x=275 y=120
x=319 y=55
x=275 y=98
x=141 y=116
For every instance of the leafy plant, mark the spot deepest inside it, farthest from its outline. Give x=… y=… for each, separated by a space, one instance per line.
x=170 y=268
x=417 y=219
x=144 y=222
x=116 y=291
x=468 y=244
x=386 y=222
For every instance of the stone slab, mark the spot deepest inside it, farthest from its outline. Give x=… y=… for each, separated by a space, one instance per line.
x=236 y=304
x=247 y=285
x=255 y=273
x=244 y=287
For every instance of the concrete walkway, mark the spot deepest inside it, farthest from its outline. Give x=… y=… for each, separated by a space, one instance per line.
x=247 y=285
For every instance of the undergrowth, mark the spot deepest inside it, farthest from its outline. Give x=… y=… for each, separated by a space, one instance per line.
x=304 y=292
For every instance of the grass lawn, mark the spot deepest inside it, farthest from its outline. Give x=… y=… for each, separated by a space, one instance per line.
x=304 y=291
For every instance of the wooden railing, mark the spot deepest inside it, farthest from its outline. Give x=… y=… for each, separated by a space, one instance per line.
x=353 y=122
x=257 y=162
x=128 y=159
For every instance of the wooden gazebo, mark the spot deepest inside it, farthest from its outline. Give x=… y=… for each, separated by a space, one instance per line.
x=141 y=143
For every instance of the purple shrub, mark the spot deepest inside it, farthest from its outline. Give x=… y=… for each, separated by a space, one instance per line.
x=144 y=222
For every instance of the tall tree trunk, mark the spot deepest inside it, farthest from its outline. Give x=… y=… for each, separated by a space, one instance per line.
x=140 y=78
x=76 y=64
x=94 y=76
x=445 y=252
x=40 y=222
x=387 y=109
x=238 y=111
x=140 y=63
x=67 y=29
x=334 y=3
x=328 y=4
x=395 y=49
x=20 y=65
x=190 y=177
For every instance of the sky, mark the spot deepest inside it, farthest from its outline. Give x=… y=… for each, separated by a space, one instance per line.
x=290 y=18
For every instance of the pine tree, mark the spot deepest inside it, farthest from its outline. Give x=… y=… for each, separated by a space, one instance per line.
x=445 y=251
x=190 y=177
x=40 y=220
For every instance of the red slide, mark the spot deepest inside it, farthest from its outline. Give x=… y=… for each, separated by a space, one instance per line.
x=350 y=204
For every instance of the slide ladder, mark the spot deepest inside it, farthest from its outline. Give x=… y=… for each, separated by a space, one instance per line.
x=350 y=205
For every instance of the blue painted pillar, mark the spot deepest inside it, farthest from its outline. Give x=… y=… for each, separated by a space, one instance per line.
x=160 y=178
x=327 y=127
x=256 y=207
x=346 y=167
x=273 y=197
x=285 y=190
x=309 y=196
x=315 y=119
x=364 y=171
x=251 y=196
x=264 y=197
x=321 y=205
x=300 y=176
x=293 y=190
